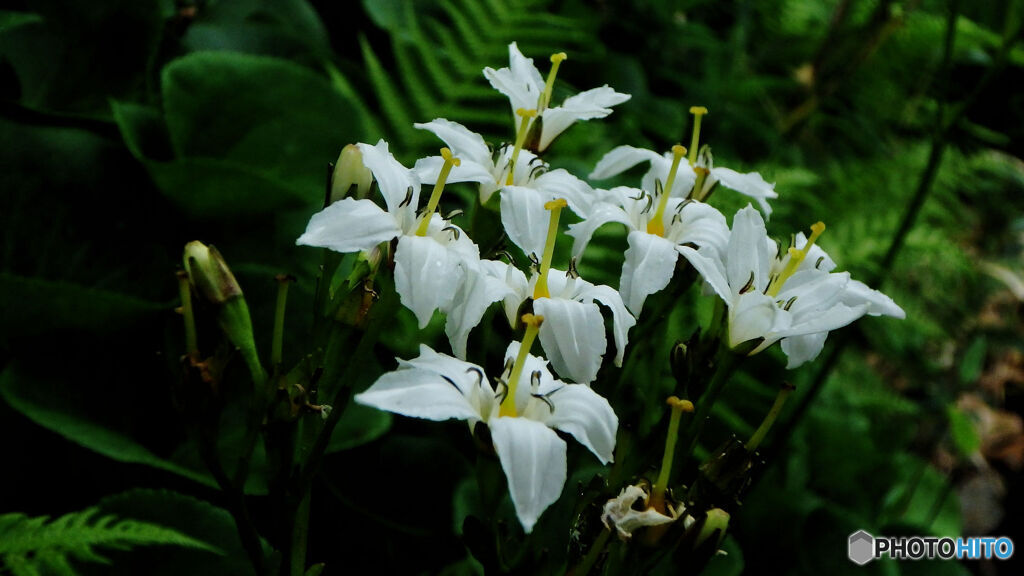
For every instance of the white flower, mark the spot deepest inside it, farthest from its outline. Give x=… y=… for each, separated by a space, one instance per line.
x=522 y=83
x=491 y=171
x=623 y=158
x=650 y=260
x=573 y=333
x=795 y=298
x=622 y=512
x=438 y=387
x=429 y=262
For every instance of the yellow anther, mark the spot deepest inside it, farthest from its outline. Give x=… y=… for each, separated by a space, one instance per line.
x=526 y=113
x=681 y=405
x=534 y=320
x=656 y=225
x=698 y=113
x=558 y=57
x=556 y=203
x=816 y=230
x=446 y=153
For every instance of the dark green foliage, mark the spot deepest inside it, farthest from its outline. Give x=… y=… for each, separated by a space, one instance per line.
x=33 y=546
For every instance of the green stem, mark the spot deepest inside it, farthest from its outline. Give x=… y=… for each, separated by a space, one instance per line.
x=185 y=290
x=300 y=536
x=725 y=367
x=583 y=568
x=277 y=343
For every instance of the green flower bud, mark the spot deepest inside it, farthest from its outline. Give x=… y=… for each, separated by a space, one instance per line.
x=209 y=273
x=350 y=175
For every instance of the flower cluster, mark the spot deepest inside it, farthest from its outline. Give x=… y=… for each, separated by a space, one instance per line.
x=792 y=296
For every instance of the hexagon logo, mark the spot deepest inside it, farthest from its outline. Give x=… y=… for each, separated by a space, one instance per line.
x=861 y=549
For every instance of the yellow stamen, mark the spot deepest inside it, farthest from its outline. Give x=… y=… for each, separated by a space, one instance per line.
x=698 y=113
x=524 y=128
x=435 y=196
x=796 y=256
x=656 y=225
x=545 y=98
x=508 y=405
x=657 y=500
x=555 y=206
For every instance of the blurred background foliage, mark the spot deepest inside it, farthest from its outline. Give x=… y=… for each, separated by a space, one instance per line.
x=133 y=126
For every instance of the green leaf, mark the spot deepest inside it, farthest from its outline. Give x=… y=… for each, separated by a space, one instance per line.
x=357 y=426
x=38 y=545
x=973 y=361
x=283 y=28
x=10 y=20
x=188 y=515
x=963 y=431
x=46 y=305
x=75 y=55
x=47 y=403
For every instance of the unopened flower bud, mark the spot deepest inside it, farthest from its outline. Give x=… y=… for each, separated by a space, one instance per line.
x=350 y=176
x=715 y=526
x=209 y=273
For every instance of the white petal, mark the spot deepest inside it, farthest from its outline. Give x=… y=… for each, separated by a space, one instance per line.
x=521 y=82
x=710 y=266
x=620 y=159
x=429 y=168
x=481 y=286
x=349 y=225
x=572 y=336
x=561 y=184
x=520 y=291
x=533 y=458
x=835 y=317
x=649 y=266
x=585 y=414
x=427 y=275
x=699 y=224
x=684 y=180
x=748 y=251
x=525 y=219
x=600 y=214
x=463 y=142
x=593 y=103
x=750 y=184
x=801 y=349
x=754 y=315
x=420 y=391
x=878 y=304
x=393 y=180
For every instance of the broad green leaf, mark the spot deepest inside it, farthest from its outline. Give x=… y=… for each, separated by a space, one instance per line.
x=10 y=20
x=75 y=55
x=211 y=189
x=283 y=28
x=357 y=426
x=46 y=305
x=188 y=515
x=46 y=403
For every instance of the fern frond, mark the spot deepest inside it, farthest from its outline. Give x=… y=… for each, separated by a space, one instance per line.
x=32 y=546
x=439 y=51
